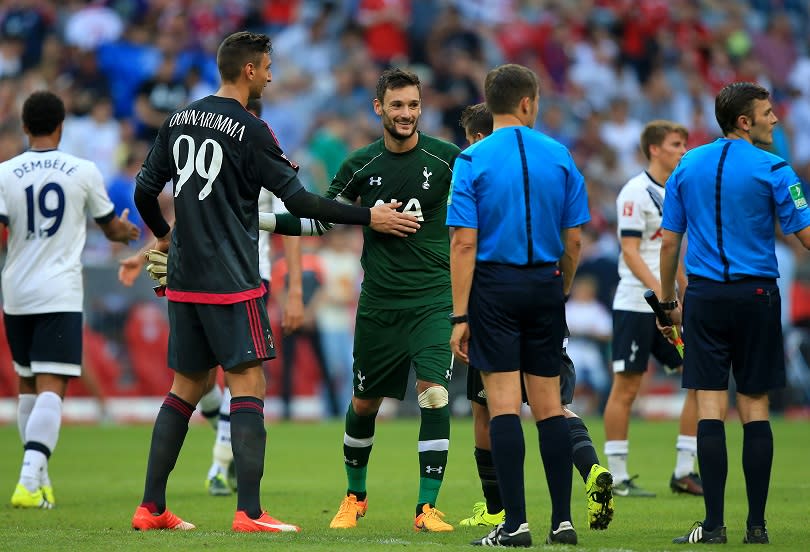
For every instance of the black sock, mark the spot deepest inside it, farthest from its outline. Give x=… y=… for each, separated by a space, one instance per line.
x=212 y=417
x=168 y=434
x=489 y=480
x=508 y=453
x=582 y=450
x=713 y=462
x=757 y=459
x=248 y=439
x=555 y=450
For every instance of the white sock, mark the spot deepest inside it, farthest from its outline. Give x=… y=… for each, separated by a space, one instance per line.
x=687 y=452
x=225 y=403
x=33 y=463
x=42 y=430
x=616 y=452
x=25 y=403
x=211 y=403
x=223 y=454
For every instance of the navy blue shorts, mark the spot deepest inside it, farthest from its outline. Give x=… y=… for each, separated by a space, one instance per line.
x=733 y=327
x=568 y=381
x=635 y=338
x=47 y=343
x=202 y=336
x=517 y=319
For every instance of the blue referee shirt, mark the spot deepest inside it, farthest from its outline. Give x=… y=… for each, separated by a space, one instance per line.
x=726 y=195
x=519 y=188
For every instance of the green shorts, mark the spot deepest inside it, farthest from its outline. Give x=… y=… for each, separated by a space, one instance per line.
x=388 y=342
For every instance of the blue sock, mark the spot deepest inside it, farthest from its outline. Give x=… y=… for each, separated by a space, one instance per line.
x=555 y=450
x=757 y=459
x=508 y=453
x=713 y=462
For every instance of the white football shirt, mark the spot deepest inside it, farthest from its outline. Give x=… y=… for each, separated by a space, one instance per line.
x=44 y=198
x=639 y=208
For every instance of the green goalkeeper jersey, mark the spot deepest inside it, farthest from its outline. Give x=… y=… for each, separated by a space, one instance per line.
x=415 y=270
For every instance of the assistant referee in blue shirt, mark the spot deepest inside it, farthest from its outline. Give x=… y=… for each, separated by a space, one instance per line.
x=728 y=195
x=517 y=202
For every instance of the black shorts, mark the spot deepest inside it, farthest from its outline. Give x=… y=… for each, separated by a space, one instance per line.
x=635 y=338
x=568 y=381
x=736 y=327
x=47 y=343
x=517 y=319
x=202 y=336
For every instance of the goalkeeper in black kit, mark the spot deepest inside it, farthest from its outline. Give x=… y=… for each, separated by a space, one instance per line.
x=218 y=157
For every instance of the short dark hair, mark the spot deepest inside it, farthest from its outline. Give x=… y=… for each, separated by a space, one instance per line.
x=655 y=132
x=506 y=85
x=394 y=79
x=476 y=118
x=254 y=105
x=239 y=49
x=42 y=113
x=737 y=99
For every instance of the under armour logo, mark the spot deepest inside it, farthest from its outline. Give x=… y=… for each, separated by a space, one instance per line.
x=352 y=462
x=375 y=181
x=361 y=378
x=448 y=375
x=633 y=349
x=427 y=175
x=438 y=470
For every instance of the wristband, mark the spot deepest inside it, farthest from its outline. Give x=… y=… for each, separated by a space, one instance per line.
x=457 y=318
x=669 y=305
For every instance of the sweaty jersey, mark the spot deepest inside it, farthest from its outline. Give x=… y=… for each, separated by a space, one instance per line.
x=639 y=207
x=415 y=270
x=44 y=199
x=218 y=157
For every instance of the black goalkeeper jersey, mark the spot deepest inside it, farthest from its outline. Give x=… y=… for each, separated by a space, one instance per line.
x=218 y=156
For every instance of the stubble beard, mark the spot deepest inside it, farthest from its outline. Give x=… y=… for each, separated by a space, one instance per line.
x=391 y=127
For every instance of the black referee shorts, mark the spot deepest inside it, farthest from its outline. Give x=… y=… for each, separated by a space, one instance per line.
x=568 y=382
x=733 y=327
x=517 y=319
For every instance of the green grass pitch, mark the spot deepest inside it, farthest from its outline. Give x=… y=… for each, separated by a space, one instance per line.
x=98 y=477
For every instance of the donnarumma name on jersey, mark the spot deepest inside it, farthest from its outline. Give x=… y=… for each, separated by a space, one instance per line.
x=217 y=121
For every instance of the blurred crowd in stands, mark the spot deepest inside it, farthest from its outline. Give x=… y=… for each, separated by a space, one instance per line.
x=606 y=68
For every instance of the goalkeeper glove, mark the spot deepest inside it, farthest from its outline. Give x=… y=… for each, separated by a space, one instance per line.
x=157 y=267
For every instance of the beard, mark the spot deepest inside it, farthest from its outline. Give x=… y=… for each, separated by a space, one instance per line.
x=391 y=126
x=256 y=93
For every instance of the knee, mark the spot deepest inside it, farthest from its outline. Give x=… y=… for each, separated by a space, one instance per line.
x=434 y=396
x=54 y=383
x=366 y=407
x=623 y=392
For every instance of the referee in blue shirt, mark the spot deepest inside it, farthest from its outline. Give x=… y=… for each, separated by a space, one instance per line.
x=517 y=202
x=728 y=195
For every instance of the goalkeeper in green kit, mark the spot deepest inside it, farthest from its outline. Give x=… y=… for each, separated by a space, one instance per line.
x=405 y=298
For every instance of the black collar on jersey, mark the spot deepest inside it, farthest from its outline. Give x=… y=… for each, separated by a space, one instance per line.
x=654 y=181
x=43 y=150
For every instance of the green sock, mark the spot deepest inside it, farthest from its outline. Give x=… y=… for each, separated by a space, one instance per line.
x=434 y=442
x=357 y=442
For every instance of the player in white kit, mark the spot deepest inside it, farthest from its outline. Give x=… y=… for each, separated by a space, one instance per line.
x=45 y=195
x=635 y=336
